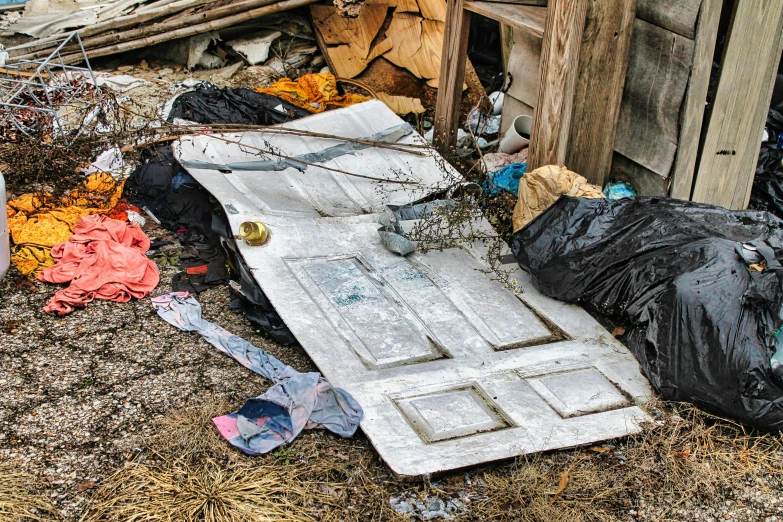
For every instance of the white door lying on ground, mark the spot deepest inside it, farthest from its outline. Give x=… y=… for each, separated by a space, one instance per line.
x=452 y=369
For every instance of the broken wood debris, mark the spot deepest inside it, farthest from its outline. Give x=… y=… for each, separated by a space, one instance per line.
x=413 y=39
x=150 y=24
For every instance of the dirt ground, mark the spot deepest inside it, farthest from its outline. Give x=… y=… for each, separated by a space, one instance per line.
x=105 y=415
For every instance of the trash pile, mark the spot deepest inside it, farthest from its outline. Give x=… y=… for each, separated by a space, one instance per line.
x=767 y=191
x=92 y=238
x=700 y=286
x=108 y=28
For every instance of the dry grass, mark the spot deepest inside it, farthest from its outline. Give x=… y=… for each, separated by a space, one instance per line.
x=20 y=500
x=685 y=453
x=192 y=474
x=189 y=473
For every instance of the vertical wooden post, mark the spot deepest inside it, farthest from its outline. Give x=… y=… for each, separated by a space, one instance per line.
x=750 y=60
x=506 y=43
x=603 y=62
x=692 y=116
x=565 y=22
x=452 y=75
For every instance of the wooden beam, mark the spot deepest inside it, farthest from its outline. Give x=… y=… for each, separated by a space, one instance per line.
x=452 y=75
x=603 y=60
x=526 y=18
x=692 y=115
x=731 y=146
x=565 y=23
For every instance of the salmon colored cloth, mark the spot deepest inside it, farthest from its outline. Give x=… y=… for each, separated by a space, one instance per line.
x=103 y=259
x=313 y=92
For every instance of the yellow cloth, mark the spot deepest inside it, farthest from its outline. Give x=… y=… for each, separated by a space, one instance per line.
x=313 y=92
x=539 y=189
x=37 y=222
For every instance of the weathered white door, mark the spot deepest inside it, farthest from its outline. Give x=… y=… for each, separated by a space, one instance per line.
x=451 y=368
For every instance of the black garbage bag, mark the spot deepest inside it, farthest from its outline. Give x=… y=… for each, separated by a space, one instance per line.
x=703 y=321
x=767 y=192
x=210 y=104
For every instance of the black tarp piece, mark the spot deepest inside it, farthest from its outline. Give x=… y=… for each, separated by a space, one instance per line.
x=210 y=104
x=703 y=322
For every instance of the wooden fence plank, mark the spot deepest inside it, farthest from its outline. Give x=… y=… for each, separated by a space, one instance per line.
x=658 y=70
x=692 y=115
x=731 y=146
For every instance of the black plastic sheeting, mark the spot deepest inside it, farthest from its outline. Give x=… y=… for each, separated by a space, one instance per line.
x=210 y=104
x=767 y=192
x=702 y=322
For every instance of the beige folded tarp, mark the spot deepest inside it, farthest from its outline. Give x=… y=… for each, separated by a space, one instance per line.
x=539 y=189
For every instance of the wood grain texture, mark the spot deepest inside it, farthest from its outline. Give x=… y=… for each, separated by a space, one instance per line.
x=406 y=6
x=346 y=63
x=427 y=58
x=731 y=145
x=524 y=67
x=524 y=17
x=565 y=24
x=358 y=32
x=658 y=70
x=433 y=9
x=405 y=34
x=401 y=104
x=452 y=74
x=678 y=16
x=519 y=2
x=603 y=60
x=692 y=115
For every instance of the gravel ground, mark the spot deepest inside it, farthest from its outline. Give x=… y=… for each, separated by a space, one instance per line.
x=79 y=394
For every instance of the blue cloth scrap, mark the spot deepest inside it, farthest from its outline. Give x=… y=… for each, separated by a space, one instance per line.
x=619 y=190
x=182 y=178
x=296 y=401
x=507 y=178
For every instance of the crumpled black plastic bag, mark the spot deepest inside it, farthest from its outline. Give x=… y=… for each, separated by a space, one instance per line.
x=702 y=322
x=210 y=104
x=767 y=192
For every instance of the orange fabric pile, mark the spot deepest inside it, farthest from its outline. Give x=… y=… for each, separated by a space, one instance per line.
x=37 y=222
x=312 y=92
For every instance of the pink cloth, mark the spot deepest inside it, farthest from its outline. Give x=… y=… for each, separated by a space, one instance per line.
x=103 y=259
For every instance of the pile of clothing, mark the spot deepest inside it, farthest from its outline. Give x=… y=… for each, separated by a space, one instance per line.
x=37 y=222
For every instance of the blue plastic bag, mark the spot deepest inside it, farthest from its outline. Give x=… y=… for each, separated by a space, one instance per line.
x=506 y=178
x=619 y=190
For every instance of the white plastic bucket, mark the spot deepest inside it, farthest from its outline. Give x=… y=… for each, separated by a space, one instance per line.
x=5 y=249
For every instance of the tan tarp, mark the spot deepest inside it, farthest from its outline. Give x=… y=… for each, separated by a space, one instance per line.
x=542 y=187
